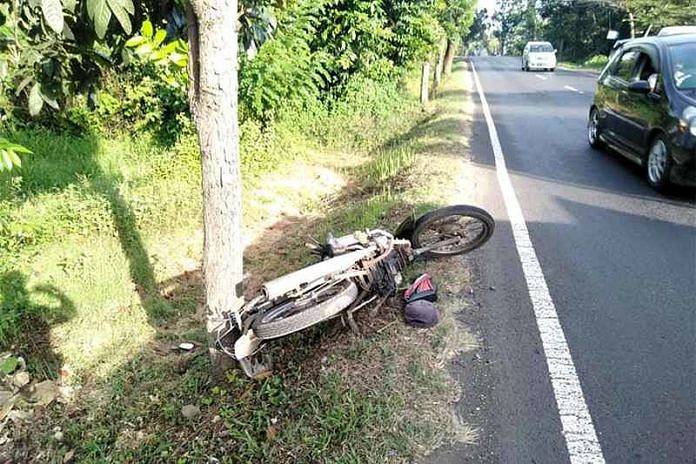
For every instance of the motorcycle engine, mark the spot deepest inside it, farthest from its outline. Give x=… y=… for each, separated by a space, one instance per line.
x=387 y=273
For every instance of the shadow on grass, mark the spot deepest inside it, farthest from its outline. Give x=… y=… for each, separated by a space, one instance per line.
x=300 y=411
x=60 y=164
x=29 y=323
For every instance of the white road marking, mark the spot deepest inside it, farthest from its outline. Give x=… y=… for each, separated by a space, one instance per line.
x=572 y=89
x=578 y=430
x=543 y=78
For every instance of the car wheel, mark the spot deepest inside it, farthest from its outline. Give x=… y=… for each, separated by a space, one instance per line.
x=552 y=69
x=594 y=130
x=658 y=164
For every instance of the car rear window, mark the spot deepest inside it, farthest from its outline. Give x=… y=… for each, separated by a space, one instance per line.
x=537 y=48
x=684 y=66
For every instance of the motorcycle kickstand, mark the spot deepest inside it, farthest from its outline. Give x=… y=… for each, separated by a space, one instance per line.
x=351 y=322
x=375 y=308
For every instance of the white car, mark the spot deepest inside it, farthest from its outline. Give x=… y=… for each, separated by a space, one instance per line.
x=538 y=55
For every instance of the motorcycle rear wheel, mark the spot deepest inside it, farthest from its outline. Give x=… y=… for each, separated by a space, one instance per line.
x=473 y=225
x=297 y=314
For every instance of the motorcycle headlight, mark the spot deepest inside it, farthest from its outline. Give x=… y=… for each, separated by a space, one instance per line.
x=687 y=122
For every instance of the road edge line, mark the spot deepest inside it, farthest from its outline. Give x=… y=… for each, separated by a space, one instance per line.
x=578 y=430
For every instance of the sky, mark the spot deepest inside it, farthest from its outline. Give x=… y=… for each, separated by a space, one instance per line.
x=487 y=4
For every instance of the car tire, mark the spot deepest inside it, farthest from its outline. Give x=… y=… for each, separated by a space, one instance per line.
x=594 y=130
x=552 y=69
x=658 y=164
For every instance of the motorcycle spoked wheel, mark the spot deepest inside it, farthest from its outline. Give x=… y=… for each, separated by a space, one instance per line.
x=473 y=225
x=294 y=315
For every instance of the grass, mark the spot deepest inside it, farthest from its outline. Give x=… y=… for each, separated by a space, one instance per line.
x=100 y=271
x=594 y=63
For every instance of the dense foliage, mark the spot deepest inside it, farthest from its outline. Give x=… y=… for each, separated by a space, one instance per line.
x=578 y=28
x=87 y=60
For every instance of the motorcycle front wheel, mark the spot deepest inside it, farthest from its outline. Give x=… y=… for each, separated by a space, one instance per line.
x=297 y=314
x=471 y=225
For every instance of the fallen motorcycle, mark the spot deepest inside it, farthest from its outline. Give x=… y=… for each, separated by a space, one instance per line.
x=358 y=270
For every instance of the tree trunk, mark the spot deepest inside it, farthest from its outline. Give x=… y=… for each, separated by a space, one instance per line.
x=213 y=101
x=449 y=56
x=632 y=23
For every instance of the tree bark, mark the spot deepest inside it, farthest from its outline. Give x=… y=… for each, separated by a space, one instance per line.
x=449 y=56
x=213 y=102
x=632 y=22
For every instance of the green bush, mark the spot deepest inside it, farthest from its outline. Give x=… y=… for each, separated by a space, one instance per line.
x=597 y=61
x=286 y=71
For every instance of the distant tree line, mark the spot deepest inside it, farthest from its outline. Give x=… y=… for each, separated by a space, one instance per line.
x=578 y=28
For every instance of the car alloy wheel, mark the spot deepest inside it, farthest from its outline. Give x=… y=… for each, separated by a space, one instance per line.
x=593 y=129
x=657 y=162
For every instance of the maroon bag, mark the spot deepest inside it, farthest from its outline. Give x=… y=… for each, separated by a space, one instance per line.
x=423 y=288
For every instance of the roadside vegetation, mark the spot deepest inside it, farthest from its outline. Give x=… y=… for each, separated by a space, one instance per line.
x=595 y=63
x=106 y=283
x=100 y=231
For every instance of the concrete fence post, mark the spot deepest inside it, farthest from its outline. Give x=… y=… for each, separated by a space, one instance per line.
x=438 y=70
x=425 y=80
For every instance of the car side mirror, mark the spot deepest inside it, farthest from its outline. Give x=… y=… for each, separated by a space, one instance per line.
x=640 y=87
x=555 y=50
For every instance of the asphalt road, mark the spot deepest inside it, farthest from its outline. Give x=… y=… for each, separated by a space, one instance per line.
x=620 y=264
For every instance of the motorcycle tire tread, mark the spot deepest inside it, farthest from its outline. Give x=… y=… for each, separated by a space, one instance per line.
x=307 y=317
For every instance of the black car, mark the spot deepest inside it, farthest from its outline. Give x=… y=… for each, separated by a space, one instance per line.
x=645 y=107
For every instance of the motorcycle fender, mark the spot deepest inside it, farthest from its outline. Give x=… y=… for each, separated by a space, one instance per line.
x=405 y=229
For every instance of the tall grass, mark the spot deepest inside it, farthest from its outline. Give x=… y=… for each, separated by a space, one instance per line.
x=123 y=213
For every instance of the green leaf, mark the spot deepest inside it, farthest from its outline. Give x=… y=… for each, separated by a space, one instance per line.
x=121 y=15
x=50 y=101
x=91 y=8
x=67 y=32
x=7 y=162
x=23 y=84
x=15 y=158
x=146 y=29
x=102 y=16
x=19 y=148
x=160 y=36
x=170 y=47
x=35 y=100
x=135 y=41
x=9 y=365
x=144 y=49
x=69 y=5
x=53 y=13
x=128 y=6
x=178 y=59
